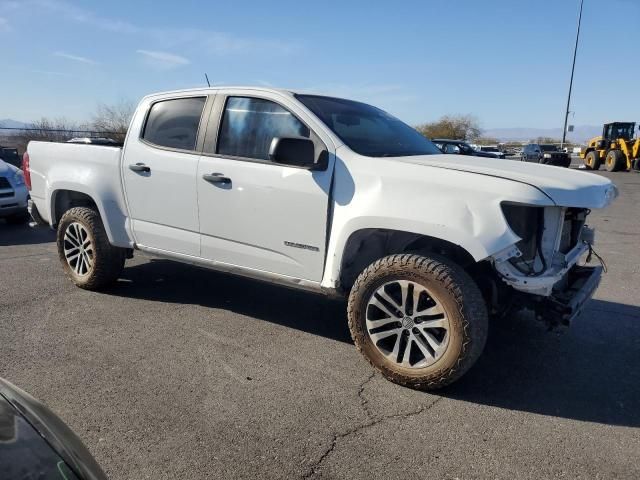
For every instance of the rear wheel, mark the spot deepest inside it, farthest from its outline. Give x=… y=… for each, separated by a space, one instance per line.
x=421 y=321
x=592 y=160
x=84 y=249
x=615 y=161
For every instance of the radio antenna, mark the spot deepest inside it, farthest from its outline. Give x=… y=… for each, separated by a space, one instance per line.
x=207 y=78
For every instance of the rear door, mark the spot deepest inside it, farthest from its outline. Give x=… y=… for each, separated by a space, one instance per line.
x=159 y=174
x=267 y=217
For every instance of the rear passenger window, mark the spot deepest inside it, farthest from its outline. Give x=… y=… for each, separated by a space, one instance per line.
x=174 y=123
x=250 y=124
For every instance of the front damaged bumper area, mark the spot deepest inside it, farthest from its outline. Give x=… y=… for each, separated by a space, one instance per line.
x=568 y=299
x=542 y=268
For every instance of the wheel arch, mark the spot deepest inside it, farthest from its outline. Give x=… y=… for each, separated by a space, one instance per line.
x=366 y=245
x=64 y=196
x=63 y=200
x=586 y=152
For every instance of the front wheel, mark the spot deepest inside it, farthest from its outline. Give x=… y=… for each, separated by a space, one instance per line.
x=84 y=249
x=419 y=320
x=592 y=160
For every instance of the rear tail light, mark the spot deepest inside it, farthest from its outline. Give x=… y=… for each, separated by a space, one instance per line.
x=26 y=171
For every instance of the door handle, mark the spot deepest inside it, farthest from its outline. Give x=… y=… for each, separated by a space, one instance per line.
x=216 y=178
x=139 y=167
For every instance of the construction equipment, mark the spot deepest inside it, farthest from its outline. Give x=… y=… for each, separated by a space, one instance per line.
x=616 y=148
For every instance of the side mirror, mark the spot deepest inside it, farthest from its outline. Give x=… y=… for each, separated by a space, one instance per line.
x=293 y=151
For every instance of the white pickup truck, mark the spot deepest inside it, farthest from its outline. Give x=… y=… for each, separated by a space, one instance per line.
x=336 y=197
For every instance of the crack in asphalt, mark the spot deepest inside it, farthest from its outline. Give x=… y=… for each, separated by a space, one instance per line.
x=364 y=403
x=313 y=469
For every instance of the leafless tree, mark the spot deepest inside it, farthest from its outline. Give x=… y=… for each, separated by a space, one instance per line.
x=458 y=127
x=487 y=141
x=113 y=119
x=546 y=140
x=110 y=121
x=48 y=130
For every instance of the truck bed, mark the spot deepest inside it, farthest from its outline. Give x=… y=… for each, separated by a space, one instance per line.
x=91 y=169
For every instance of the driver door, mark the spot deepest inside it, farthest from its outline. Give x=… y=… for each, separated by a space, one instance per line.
x=254 y=213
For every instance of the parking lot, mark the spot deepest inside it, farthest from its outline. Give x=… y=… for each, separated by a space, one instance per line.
x=179 y=372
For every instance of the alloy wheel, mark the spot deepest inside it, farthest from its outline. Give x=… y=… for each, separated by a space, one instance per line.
x=79 y=250
x=407 y=324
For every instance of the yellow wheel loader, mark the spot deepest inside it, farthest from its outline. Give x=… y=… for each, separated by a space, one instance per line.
x=616 y=148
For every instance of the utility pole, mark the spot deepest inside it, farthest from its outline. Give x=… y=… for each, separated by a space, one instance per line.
x=573 y=67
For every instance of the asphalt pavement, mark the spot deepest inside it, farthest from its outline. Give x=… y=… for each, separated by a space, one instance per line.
x=179 y=372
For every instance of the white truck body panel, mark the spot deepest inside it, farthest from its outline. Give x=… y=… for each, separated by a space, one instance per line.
x=163 y=204
x=90 y=169
x=277 y=203
x=252 y=226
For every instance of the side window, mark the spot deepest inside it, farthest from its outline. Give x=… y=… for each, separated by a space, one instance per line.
x=250 y=124
x=450 y=148
x=174 y=123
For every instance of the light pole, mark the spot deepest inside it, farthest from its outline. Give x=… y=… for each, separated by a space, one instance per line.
x=573 y=67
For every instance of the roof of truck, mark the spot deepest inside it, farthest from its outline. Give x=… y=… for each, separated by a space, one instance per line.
x=225 y=87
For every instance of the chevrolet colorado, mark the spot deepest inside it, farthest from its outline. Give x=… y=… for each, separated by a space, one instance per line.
x=332 y=196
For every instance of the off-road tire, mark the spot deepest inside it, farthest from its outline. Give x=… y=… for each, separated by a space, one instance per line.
x=615 y=161
x=108 y=261
x=458 y=294
x=592 y=160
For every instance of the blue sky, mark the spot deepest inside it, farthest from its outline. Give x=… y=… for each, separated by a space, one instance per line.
x=505 y=61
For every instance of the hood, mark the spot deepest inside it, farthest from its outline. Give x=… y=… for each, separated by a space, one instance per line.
x=566 y=187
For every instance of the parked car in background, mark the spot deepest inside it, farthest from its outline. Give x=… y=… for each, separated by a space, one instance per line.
x=13 y=194
x=332 y=196
x=493 y=149
x=459 y=147
x=10 y=156
x=36 y=444
x=547 y=154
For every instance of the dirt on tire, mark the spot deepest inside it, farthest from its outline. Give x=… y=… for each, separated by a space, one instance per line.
x=460 y=297
x=108 y=261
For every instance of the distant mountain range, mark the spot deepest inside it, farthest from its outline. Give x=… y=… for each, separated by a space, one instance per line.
x=9 y=123
x=580 y=134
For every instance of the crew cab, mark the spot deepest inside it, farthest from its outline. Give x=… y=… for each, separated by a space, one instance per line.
x=336 y=197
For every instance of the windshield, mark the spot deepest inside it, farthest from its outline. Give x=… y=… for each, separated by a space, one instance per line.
x=549 y=148
x=10 y=155
x=619 y=130
x=368 y=130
